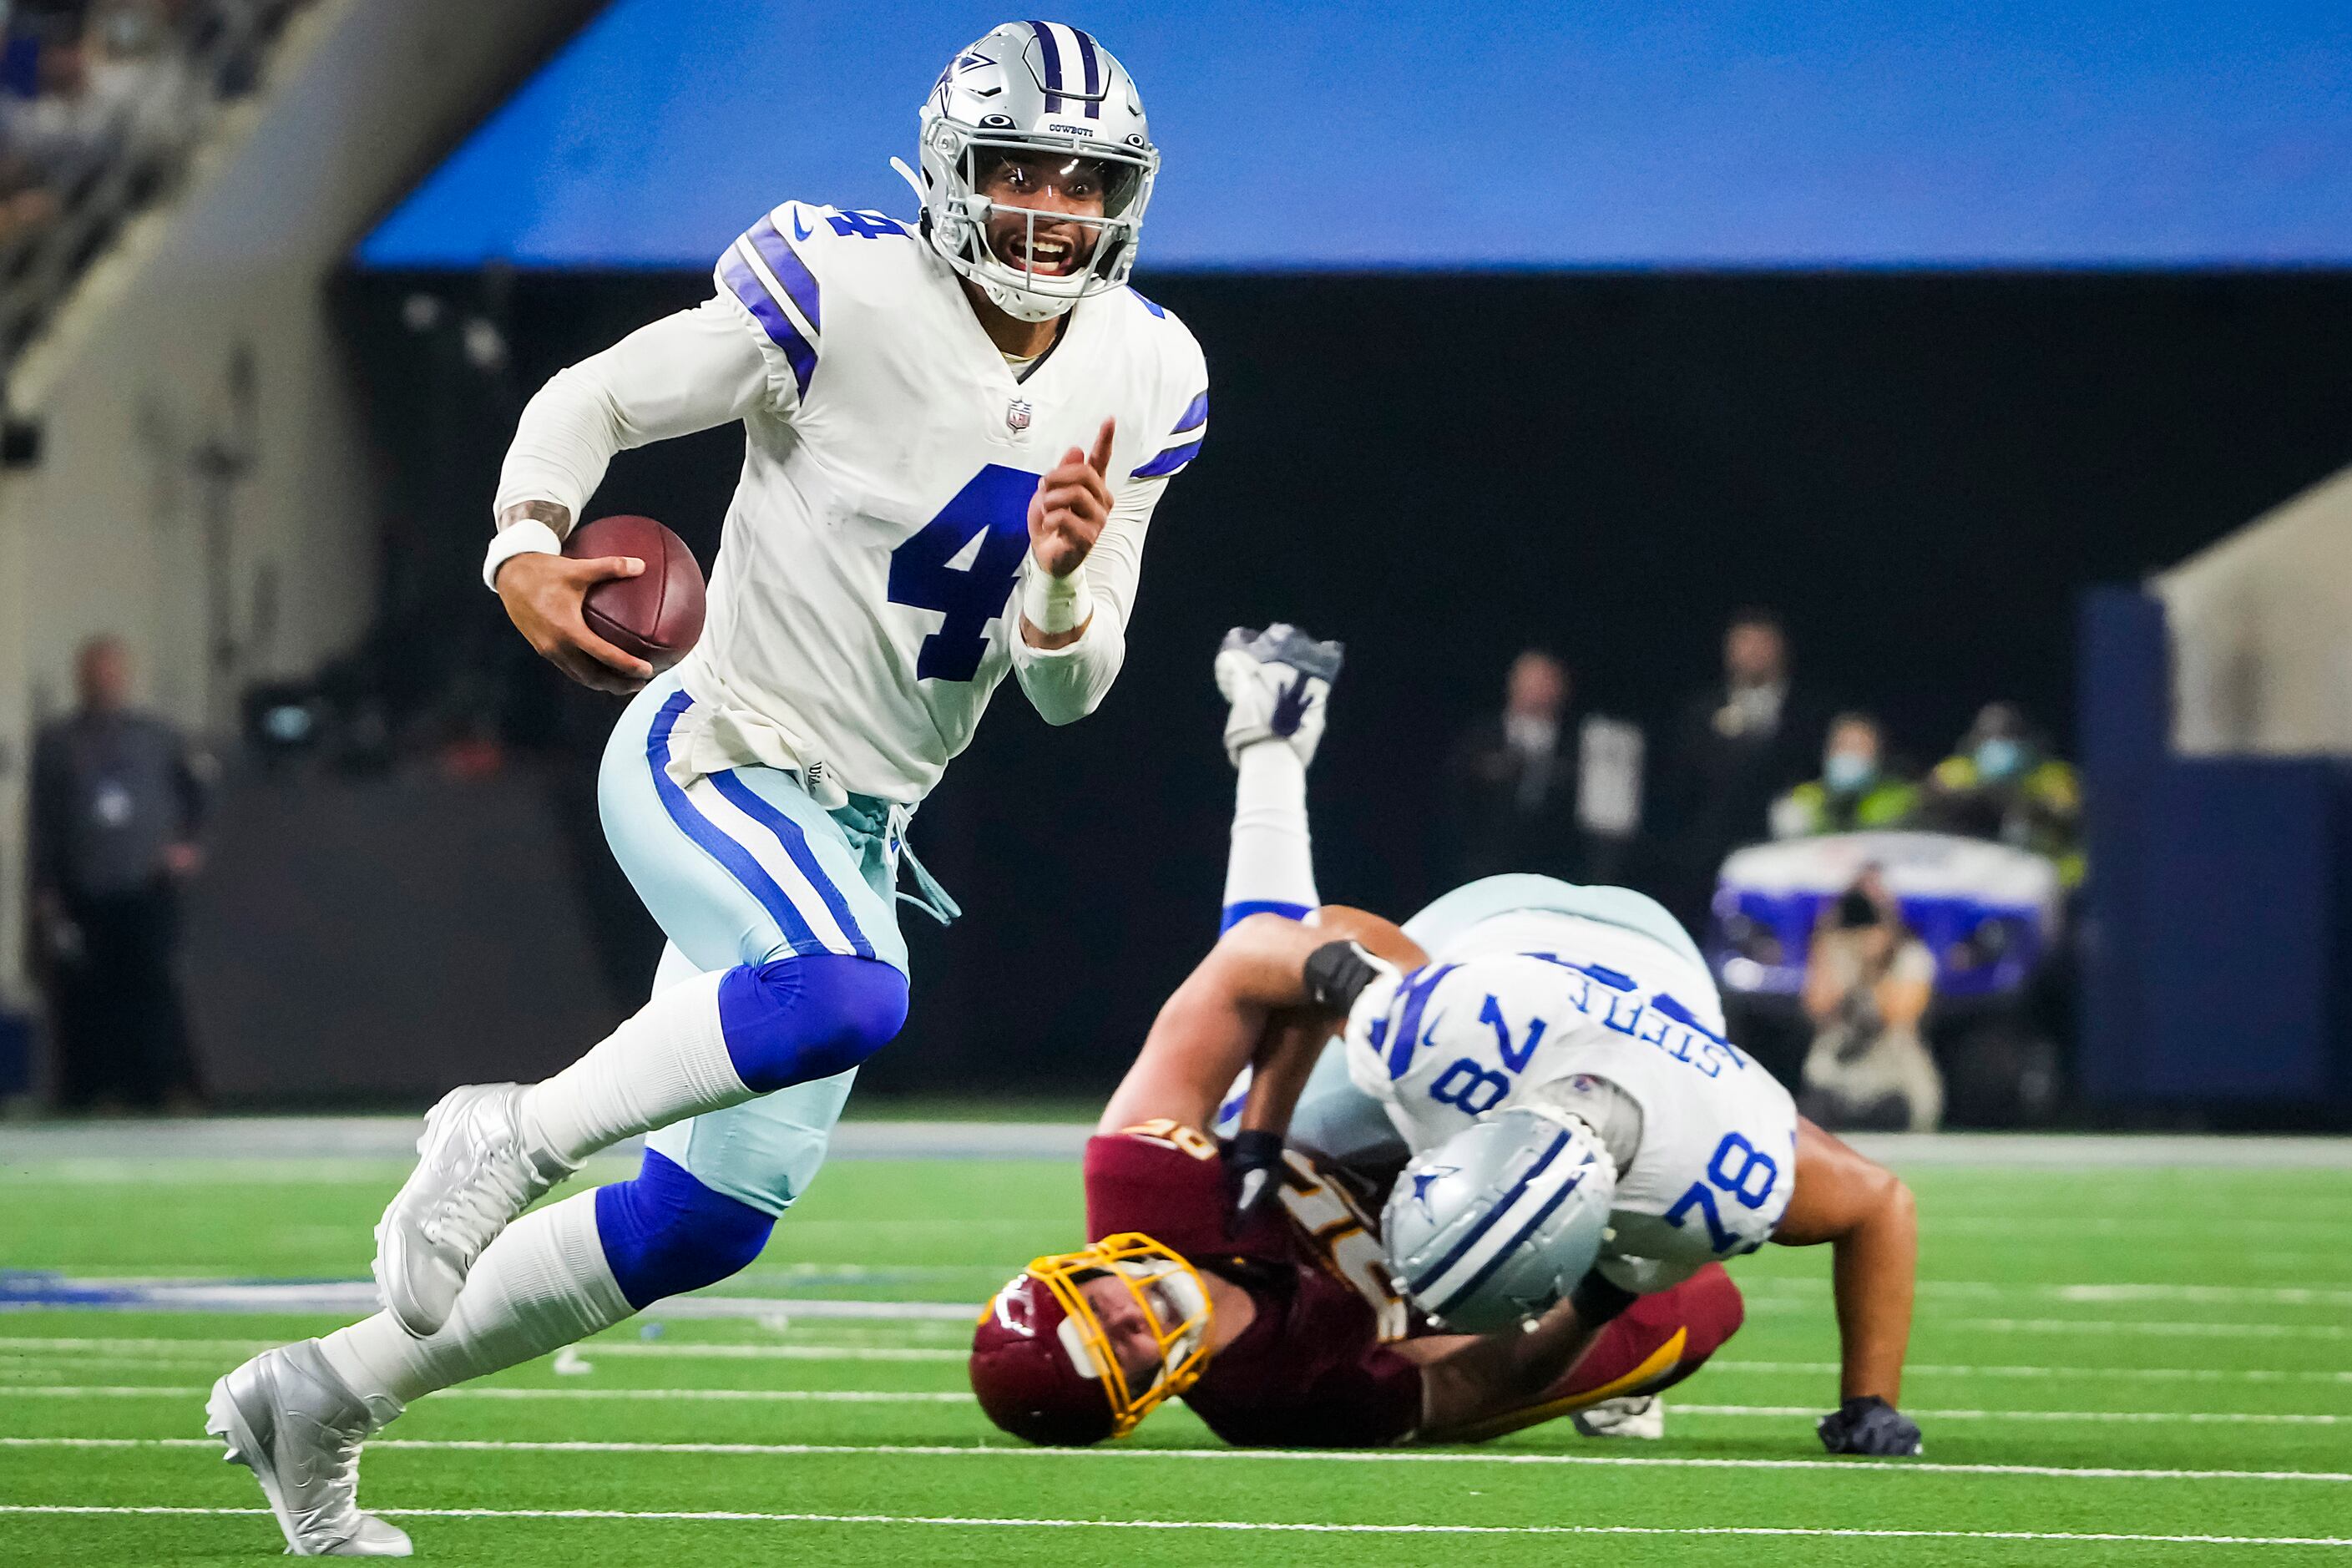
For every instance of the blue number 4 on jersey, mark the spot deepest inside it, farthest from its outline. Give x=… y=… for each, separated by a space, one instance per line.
x=963 y=563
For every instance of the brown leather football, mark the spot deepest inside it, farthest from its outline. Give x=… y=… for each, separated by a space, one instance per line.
x=657 y=616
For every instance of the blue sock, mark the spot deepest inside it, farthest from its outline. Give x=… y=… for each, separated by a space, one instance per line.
x=664 y=1232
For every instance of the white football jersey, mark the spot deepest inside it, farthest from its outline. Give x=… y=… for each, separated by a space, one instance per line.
x=1716 y=1160
x=861 y=609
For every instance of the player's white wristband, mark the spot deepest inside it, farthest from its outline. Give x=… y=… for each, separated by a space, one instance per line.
x=1055 y=605
x=525 y=536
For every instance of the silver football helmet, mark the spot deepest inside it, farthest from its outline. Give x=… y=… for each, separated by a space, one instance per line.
x=1030 y=90
x=1494 y=1226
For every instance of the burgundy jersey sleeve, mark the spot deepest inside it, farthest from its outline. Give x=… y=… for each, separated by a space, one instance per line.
x=1309 y=1371
x=1168 y=1181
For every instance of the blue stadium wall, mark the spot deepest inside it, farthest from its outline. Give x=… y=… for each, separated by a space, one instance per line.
x=2216 y=930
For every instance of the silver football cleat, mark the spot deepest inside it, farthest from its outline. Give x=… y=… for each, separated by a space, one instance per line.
x=286 y=1416
x=1278 y=682
x=1637 y=1416
x=473 y=1176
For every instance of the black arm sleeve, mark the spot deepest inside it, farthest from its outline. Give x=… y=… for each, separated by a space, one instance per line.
x=1598 y=1300
x=1336 y=975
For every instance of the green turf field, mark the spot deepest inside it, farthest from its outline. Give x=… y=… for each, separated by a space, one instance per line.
x=2111 y=1365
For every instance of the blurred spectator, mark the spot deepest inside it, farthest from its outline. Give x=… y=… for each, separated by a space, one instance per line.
x=2003 y=784
x=1735 y=747
x=1539 y=788
x=1856 y=790
x=117 y=800
x=1868 y=981
x=137 y=82
x=101 y=103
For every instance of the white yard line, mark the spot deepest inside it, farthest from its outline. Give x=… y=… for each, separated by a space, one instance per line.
x=1989 y=1289
x=36 y=1291
x=701 y=1395
x=2180 y=1331
x=2092 y=1373
x=2247 y=1417
x=1772 y=1295
x=1276 y=1456
x=912 y=1396
x=202 y=1352
x=136 y=1348
x=1234 y=1525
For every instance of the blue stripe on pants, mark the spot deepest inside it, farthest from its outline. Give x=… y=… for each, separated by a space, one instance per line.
x=706 y=835
x=795 y=843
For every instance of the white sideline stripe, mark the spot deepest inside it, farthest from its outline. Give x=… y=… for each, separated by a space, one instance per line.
x=1989 y=1290
x=1330 y=1456
x=2185 y=1331
x=166 y=1292
x=902 y=1397
x=359 y=1296
x=1238 y=1525
x=2248 y=1417
x=130 y=1347
x=2215 y=1295
x=704 y=1395
x=2144 y=1374
x=143 y=1349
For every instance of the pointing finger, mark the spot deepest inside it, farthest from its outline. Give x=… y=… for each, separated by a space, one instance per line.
x=1100 y=460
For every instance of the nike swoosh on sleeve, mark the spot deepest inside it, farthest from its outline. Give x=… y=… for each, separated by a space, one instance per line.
x=800 y=231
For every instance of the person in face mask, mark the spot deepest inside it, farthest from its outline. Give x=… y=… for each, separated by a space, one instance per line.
x=2002 y=782
x=1856 y=790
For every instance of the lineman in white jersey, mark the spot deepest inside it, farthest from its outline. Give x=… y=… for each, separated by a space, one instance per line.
x=1551 y=1061
x=956 y=431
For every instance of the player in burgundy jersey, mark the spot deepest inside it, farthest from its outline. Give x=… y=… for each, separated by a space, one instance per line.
x=1280 y=1326
x=1270 y=1330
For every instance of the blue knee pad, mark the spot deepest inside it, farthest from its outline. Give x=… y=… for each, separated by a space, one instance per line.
x=665 y=1233
x=808 y=1017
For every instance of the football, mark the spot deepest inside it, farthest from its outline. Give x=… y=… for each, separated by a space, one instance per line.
x=656 y=616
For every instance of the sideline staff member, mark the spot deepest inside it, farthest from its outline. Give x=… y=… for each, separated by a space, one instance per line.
x=117 y=800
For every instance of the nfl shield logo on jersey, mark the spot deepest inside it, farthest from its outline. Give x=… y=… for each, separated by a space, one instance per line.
x=1017 y=416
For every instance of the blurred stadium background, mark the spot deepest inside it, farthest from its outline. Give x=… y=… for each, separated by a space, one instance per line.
x=2004 y=357
x=2002 y=353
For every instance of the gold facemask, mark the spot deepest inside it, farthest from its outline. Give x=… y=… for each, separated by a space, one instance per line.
x=1146 y=1270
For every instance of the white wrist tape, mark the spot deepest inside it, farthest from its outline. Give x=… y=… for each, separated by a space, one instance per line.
x=527 y=536
x=1055 y=605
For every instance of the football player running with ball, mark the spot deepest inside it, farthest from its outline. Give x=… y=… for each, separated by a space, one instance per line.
x=1576 y=1150
x=956 y=432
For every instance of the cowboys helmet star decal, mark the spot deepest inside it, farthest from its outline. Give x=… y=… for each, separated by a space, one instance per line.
x=1424 y=1180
